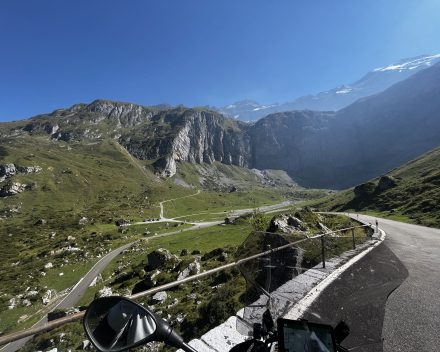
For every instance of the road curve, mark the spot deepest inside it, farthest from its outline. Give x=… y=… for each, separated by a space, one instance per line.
x=412 y=313
x=75 y=295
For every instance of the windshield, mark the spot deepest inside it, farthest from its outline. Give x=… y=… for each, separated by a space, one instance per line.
x=283 y=271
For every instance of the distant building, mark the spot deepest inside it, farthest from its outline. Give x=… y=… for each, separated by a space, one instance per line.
x=123 y=222
x=230 y=220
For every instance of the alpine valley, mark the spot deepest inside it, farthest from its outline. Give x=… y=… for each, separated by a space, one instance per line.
x=80 y=182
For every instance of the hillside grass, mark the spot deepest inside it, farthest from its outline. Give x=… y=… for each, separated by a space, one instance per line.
x=415 y=198
x=206 y=302
x=99 y=181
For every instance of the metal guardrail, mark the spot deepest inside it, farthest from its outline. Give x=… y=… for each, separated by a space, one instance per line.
x=77 y=316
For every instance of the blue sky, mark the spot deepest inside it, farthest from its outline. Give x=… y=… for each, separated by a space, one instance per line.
x=54 y=54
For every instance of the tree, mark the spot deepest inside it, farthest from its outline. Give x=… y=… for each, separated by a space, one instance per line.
x=260 y=221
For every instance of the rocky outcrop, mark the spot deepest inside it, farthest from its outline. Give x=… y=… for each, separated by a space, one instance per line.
x=9 y=170
x=160 y=257
x=193 y=135
x=158 y=298
x=12 y=188
x=287 y=224
x=387 y=182
x=191 y=269
x=365 y=189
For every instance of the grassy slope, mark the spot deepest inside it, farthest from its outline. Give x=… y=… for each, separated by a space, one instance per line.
x=216 y=304
x=415 y=199
x=96 y=180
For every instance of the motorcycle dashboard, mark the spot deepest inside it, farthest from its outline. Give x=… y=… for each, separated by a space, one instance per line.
x=302 y=336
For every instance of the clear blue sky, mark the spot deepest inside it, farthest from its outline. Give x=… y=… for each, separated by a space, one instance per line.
x=54 y=54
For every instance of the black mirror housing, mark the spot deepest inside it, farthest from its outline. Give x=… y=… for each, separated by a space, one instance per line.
x=115 y=324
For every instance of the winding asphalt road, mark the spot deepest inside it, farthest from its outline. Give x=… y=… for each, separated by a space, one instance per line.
x=81 y=287
x=412 y=312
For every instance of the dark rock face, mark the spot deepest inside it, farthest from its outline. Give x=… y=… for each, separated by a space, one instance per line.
x=387 y=182
x=364 y=189
x=160 y=257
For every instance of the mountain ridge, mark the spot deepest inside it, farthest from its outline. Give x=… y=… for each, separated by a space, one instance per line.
x=321 y=149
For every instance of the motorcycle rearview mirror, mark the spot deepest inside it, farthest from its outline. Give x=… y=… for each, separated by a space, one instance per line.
x=118 y=324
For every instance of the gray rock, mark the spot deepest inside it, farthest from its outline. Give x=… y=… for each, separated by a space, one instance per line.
x=105 y=292
x=12 y=303
x=287 y=224
x=149 y=279
x=85 y=344
x=178 y=319
x=48 y=296
x=158 y=298
x=26 y=303
x=173 y=303
x=194 y=266
x=160 y=257
x=12 y=189
x=40 y=222
x=83 y=221
x=31 y=293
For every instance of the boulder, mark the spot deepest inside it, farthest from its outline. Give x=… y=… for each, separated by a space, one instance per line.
x=6 y=171
x=105 y=292
x=184 y=252
x=48 y=296
x=160 y=257
x=12 y=188
x=96 y=281
x=364 y=189
x=31 y=293
x=83 y=221
x=194 y=266
x=287 y=224
x=85 y=344
x=223 y=257
x=387 y=182
x=40 y=222
x=12 y=303
x=178 y=319
x=158 y=298
x=48 y=266
x=149 y=280
x=26 y=303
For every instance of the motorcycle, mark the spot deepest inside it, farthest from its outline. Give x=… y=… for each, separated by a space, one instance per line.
x=273 y=266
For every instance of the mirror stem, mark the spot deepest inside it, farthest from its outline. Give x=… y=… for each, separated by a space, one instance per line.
x=187 y=348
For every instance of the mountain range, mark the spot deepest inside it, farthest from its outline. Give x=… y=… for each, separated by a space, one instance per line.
x=337 y=98
x=320 y=149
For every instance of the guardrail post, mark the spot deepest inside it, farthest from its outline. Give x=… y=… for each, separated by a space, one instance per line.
x=352 y=233
x=323 y=251
x=268 y=270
